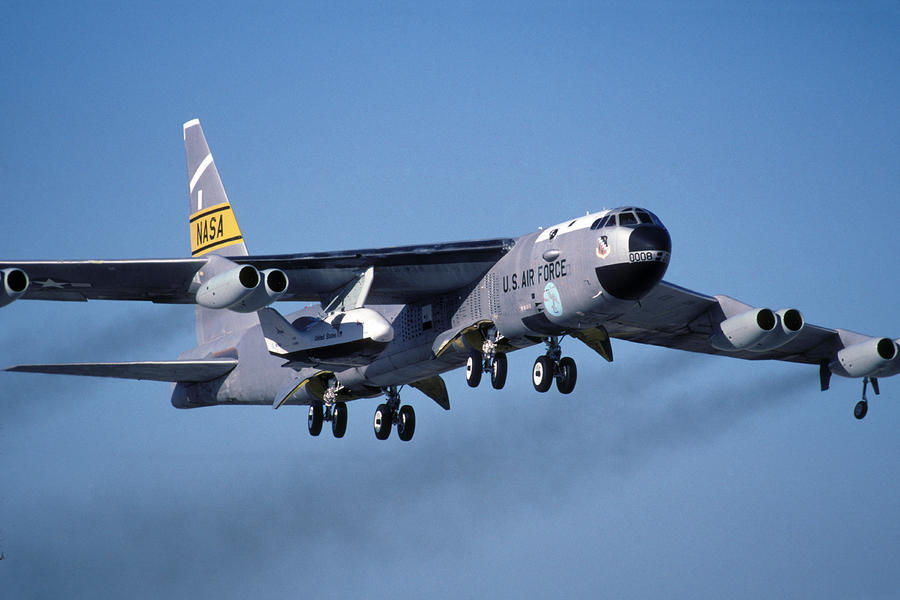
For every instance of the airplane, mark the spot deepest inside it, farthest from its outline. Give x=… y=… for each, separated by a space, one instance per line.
x=385 y=318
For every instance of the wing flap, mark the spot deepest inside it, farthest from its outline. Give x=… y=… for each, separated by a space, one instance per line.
x=184 y=371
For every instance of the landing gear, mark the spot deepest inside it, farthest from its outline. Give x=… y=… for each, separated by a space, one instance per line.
x=339 y=419
x=391 y=412
x=498 y=371
x=314 y=422
x=474 y=368
x=862 y=407
x=542 y=373
x=336 y=413
x=565 y=379
x=550 y=366
x=487 y=361
x=406 y=423
x=383 y=422
x=331 y=410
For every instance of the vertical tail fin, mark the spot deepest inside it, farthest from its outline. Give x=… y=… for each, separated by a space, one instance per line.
x=213 y=229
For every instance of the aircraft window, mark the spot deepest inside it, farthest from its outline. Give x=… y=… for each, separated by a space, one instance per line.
x=552 y=234
x=627 y=218
x=611 y=221
x=598 y=223
x=572 y=223
x=644 y=217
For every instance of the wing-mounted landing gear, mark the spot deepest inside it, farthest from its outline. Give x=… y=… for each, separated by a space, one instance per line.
x=489 y=360
x=390 y=412
x=552 y=365
x=862 y=407
x=332 y=410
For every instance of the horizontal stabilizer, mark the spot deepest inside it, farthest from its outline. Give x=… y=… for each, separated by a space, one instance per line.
x=186 y=371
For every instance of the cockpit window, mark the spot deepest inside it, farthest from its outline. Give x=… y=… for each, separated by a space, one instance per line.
x=596 y=224
x=644 y=217
x=610 y=221
x=627 y=218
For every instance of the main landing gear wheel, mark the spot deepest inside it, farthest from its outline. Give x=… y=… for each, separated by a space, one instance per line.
x=542 y=373
x=383 y=422
x=339 y=419
x=550 y=366
x=565 y=379
x=498 y=371
x=474 y=367
x=406 y=423
x=316 y=417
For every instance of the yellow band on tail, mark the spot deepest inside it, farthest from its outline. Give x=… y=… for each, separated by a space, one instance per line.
x=213 y=228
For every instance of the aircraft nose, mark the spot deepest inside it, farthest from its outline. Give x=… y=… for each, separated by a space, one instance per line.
x=649 y=247
x=650 y=238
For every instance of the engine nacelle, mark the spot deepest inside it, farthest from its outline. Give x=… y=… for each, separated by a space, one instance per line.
x=790 y=323
x=13 y=283
x=243 y=289
x=866 y=359
x=745 y=330
x=273 y=286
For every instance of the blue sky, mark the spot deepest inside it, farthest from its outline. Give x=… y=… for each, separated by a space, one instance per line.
x=766 y=137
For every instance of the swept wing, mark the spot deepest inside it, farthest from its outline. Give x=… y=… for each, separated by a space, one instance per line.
x=676 y=317
x=402 y=273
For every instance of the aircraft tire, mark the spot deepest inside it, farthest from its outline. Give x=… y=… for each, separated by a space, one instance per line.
x=498 y=371
x=542 y=373
x=315 y=419
x=860 y=410
x=473 y=369
x=382 y=422
x=406 y=424
x=565 y=383
x=339 y=419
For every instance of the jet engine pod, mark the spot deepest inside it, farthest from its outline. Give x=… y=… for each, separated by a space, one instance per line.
x=229 y=288
x=790 y=323
x=745 y=330
x=866 y=359
x=243 y=289
x=13 y=283
x=273 y=286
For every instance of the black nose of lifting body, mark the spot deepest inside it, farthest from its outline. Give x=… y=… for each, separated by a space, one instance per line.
x=638 y=271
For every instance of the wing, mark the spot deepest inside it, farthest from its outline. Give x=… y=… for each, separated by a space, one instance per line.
x=402 y=274
x=675 y=317
x=170 y=370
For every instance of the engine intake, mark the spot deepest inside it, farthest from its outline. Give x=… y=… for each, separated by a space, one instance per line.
x=13 y=283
